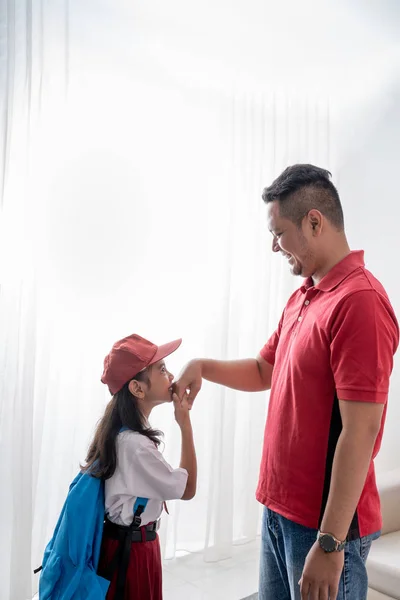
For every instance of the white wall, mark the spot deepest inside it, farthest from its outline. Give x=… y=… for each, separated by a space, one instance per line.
x=347 y=52
x=369 y=184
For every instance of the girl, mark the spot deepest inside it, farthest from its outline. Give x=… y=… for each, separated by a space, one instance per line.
x=138 y=480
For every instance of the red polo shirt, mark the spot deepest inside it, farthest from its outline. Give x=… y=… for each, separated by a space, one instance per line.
x=335 y=340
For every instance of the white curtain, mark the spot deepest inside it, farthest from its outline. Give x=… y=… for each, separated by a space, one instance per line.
x=132 y=203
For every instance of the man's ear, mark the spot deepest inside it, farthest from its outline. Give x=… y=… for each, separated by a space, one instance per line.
x=314 y=219
x=136 y=389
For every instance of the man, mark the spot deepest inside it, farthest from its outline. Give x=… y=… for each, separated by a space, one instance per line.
x=328 y=366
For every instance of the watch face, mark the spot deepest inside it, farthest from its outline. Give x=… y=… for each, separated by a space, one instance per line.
x=327 y=543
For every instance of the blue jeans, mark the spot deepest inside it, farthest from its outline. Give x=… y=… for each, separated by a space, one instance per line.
x=284 y=547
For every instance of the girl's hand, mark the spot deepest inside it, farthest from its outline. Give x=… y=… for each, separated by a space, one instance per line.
x=182 y=415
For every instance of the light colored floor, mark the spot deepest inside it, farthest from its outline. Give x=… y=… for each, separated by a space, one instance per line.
x=190 y=578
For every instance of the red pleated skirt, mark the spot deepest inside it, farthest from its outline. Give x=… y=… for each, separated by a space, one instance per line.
x=144 y=576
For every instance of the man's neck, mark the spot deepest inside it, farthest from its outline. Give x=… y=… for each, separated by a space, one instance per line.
x=340 y=252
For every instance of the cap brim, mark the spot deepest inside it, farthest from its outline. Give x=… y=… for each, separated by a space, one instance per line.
x=165 y=350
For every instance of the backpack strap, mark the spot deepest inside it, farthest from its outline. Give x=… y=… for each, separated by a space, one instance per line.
x=121 y=558
x=138 y=510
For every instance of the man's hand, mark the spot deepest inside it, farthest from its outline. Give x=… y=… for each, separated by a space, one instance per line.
x=189 y=380
x=321 y=574
x=246 y=375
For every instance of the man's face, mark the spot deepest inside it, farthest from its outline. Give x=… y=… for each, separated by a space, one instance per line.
x=160 y=382
x=293 y=242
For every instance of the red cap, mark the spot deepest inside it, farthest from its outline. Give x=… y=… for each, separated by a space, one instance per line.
x=131 y=355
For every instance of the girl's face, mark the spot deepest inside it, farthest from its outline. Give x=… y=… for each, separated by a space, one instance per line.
x=161 y=379
x=154 y=389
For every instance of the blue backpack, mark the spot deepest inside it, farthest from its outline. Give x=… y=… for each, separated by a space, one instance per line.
x=69 y=567
x=71 y=558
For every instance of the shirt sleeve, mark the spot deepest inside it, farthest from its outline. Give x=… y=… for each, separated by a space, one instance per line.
x=152 y=477
x=364 y=338
x=268 y=351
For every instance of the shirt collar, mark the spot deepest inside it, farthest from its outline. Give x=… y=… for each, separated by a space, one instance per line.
x=338 y=273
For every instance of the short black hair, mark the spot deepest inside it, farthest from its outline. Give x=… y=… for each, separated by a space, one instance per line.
x=300 y=188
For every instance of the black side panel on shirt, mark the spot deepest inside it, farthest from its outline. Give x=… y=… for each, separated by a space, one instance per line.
x=334 y=433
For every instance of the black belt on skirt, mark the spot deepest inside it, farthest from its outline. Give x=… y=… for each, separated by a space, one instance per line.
x=125 y=535
x=146 y=533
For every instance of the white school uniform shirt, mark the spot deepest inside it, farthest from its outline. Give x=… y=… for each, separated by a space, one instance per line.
x=141 y=472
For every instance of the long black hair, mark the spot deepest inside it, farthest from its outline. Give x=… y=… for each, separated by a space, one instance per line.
x=121 y=411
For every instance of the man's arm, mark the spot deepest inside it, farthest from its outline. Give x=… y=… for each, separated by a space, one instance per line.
x=247 y=375
x=361 y=422
x=364 y=338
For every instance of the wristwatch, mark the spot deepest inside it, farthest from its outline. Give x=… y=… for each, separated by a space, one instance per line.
x=329 y=543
